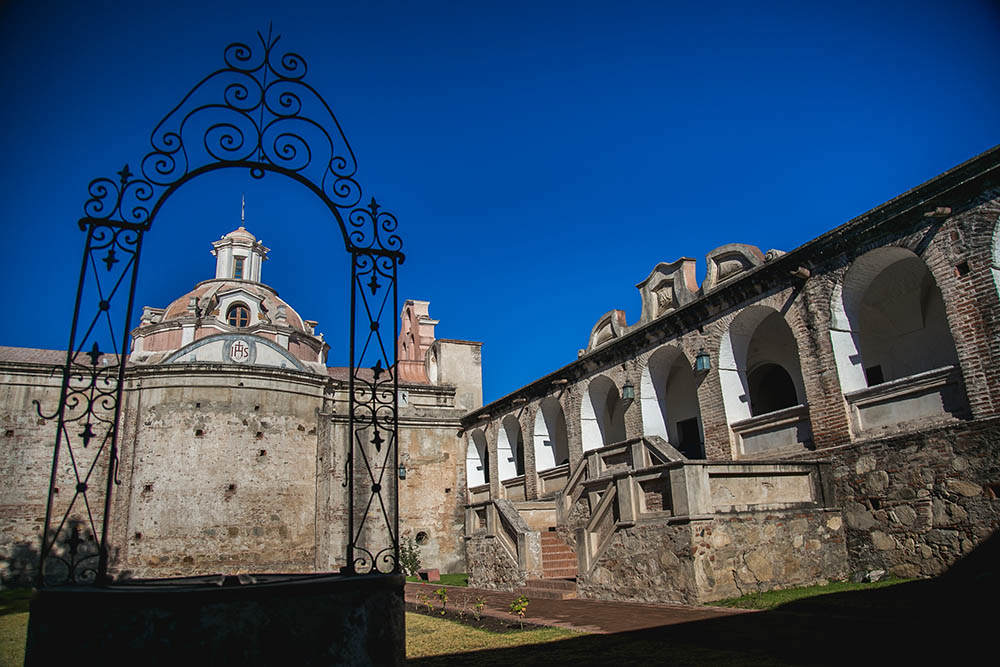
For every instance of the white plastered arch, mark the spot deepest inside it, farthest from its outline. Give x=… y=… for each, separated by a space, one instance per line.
x=509 y=442
x=602 y=419
x=667 y=393
x=477 y=459
x=736 y=358
x=889 y=309
x=549 y=438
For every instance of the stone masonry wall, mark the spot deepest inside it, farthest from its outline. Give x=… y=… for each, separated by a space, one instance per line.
x=726 y=556
x=916 y=503
x=219 y=472
x=490 y=566
x=24 y=467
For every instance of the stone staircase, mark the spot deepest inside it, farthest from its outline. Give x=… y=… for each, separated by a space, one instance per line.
x=558 y=568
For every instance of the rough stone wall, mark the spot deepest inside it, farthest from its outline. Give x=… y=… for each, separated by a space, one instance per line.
x=490 y=566
x=432 y=495
x=726 y=556
x=24 y=467
x=916 y=503
x=175 y=513
x=219 y=472
x=756 y=551
x=26 y=447
x=645 y=563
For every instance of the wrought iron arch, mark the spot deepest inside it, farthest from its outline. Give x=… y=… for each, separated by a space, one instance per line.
x=258 y=113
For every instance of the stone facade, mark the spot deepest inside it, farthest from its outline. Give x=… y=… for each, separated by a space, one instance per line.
x=744 y=552
x=875 y=346
x=233 y=438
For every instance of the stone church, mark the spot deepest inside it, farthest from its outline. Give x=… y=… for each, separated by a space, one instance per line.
x=234 y=434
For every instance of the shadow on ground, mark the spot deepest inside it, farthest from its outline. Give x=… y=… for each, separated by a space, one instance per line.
x=946 y=620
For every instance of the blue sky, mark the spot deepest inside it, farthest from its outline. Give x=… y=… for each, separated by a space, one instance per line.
x=541 y=157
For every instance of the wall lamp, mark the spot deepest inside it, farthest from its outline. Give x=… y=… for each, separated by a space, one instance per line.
x=402 y=471
x=702 y=362
x=628 y=391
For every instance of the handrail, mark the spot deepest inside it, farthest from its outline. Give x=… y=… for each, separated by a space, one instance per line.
x=599 y=523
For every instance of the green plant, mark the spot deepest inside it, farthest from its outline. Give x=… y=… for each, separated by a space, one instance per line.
x=409 y=556
x=519 y=606
x=477 y=609
x=426 y=601
x=442 y=595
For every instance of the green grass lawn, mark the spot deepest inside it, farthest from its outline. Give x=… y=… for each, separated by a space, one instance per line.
x=13 y=625
x=772 y=599
x=460 y=579
x=426 y=636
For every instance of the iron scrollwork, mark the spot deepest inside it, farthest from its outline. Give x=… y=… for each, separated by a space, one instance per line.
x=256 y=112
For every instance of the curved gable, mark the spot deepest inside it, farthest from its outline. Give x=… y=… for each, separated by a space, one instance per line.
x=237 y=349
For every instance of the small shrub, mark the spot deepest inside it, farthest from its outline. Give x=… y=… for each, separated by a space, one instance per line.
x=477 y=609
x=409 y=556
x=442 y=595
x=519 y=606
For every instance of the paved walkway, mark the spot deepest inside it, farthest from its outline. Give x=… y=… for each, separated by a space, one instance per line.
x=597 y=616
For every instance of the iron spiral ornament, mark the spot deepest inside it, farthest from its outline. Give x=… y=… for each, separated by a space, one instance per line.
x=255 y=112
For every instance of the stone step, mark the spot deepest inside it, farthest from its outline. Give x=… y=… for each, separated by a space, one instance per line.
x=556 y=551
x=548 y=594
x=565 y=561
x=555 y=584
x=559 y=573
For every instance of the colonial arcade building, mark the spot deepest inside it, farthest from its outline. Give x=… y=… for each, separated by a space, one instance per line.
x=798 y=416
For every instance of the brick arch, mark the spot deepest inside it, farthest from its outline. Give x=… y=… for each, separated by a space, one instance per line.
x=510 y=448
x=668 y=395
x=888 y=319
x=995 y=254
x=743 y=347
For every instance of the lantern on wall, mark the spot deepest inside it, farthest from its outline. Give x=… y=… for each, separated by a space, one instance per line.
x=628 y=391
x=702 y=362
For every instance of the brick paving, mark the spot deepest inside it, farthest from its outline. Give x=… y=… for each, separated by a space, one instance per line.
x=597 y=616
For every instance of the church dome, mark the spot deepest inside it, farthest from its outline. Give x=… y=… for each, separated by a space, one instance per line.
x=210 y=294
x=235 y=306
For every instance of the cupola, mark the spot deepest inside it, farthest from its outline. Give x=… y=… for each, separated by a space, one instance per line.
x=239 y=254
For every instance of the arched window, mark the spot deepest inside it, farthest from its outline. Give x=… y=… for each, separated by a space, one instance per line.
x=888 y=320
x=669 y=401
x=762 y=384
x=238 y=316
x=477 y=460
x=602 y=414
x=510 y=449
x=759 y=365
x=550 y=442
x=771 y=389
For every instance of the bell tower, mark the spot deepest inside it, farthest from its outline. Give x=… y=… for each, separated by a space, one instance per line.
x=239 y=254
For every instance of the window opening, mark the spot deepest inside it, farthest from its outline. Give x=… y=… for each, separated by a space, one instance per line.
x=689 y=436
x=239 y=316
x=238 y=268
x=874 y=376
x=771 y=389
